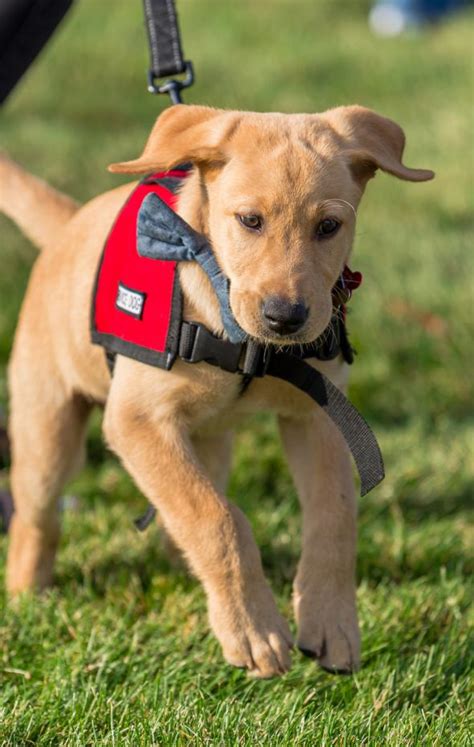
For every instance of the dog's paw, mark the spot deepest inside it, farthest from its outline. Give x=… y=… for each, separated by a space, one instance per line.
x=253 y=634
x=328 y=631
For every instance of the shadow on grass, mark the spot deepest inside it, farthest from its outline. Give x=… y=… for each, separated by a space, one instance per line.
x=118 y=569
x=377 y=564
x=438 y=505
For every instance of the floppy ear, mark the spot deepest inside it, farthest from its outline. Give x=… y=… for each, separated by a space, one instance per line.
x=373 y=142
x=183 y=133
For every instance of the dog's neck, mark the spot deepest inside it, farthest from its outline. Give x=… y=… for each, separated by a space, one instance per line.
x=200 y=300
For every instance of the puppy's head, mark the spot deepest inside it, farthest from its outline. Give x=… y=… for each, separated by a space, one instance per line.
x=279 y=194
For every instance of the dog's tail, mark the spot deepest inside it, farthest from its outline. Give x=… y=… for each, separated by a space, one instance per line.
x=39 y=210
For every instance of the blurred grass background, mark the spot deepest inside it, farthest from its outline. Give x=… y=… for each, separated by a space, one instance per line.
x=120 y=652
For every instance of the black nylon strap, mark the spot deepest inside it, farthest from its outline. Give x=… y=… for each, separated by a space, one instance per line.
x=25 y=27
x=357 y=433
x=198 y=344
x=166 y=54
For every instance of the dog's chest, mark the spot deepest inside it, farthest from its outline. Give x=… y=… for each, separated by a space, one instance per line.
x=267 y=394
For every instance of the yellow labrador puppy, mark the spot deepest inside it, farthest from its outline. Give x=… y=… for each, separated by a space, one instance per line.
x=261 y=186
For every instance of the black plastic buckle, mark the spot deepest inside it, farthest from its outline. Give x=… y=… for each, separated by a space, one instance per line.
x=204 y=346
x=256 y=359
x=174 y=86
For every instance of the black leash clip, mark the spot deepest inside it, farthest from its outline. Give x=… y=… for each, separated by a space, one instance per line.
x=174 y=86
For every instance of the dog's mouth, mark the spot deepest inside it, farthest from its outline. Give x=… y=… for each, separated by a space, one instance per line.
x=318 y=329
x=304 y=336
x=286 y=340
x=266 y=332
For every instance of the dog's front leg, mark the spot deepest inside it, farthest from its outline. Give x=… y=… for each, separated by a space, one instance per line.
x=324 y=587
x=214 y=453
x=212 y=533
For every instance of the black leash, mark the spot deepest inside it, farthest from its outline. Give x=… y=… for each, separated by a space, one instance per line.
x=166 y=53
x=26 y=26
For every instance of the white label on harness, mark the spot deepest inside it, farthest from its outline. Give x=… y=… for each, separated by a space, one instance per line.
x=130 y=301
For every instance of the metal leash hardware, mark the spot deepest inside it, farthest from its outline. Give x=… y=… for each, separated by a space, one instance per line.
x=174 y=86
x=166 y=54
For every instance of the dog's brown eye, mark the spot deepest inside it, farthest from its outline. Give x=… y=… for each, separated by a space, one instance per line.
x=327 y=227
x=254 y=222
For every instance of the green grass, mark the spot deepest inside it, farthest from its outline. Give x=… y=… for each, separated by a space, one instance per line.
x=119 y=653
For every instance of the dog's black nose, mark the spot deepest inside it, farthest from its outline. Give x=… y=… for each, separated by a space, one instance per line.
x=283 y=317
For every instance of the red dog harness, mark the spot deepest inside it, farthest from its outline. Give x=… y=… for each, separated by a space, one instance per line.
x=137 y=312
x=137 y=301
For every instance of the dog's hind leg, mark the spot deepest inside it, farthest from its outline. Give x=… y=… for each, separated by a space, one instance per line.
x=47 y=427
x=324 y=587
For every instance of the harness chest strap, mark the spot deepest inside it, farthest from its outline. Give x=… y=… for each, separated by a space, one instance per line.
x=252 y=359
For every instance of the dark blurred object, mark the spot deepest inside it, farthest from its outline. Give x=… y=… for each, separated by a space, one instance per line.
x=6 y=502
x=393 y=17
x=4 y=448
x=25 y=27
x=4 y=443
x=6 y=511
